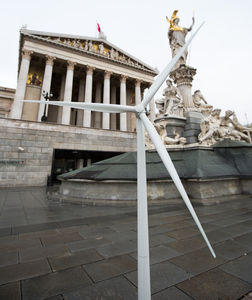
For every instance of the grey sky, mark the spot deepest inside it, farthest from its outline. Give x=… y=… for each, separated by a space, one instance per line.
x=221 y=52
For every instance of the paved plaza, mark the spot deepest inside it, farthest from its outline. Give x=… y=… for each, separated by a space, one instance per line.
x=54 y=250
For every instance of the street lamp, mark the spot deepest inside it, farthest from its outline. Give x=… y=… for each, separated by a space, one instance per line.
x=47 y=98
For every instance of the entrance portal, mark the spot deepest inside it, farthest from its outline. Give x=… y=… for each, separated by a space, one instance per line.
x=68 y=160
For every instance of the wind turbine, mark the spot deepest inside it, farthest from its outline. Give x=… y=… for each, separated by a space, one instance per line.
x=144 y=287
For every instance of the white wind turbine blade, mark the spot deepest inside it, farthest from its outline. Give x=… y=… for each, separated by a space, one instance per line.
x=111 y=108
x=164 y=74
x=143 y=256
x=165 y=157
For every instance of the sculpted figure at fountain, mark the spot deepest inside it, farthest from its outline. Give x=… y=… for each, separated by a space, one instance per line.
x=201 y=104
x=171 y=104
x=216 y=128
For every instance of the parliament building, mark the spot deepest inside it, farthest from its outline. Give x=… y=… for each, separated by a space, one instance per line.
x=39 y=142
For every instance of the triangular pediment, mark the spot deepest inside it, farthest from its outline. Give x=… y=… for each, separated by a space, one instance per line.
x=91 y=46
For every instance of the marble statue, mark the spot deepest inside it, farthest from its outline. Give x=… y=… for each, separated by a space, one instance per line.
x=216 y=128
x=161 y=129
x=210 y=127
x=160 y=106
x=101 y=48
x=86 y=46
x=173 y=100
x=171 y=104
x=175 y=141
x=90 y=46
x=204 y=107
x=112 y=53
x=176 y=36
x=232 y=128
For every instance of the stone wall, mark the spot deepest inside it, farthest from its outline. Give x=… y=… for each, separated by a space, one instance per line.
x=6 y=100
x=26 y=148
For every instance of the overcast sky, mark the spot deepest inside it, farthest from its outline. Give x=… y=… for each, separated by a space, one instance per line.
x=221 y=52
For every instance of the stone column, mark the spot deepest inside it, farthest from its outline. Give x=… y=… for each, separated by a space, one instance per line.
x=98 y=115
x=88 y=96
x=106 y=99
x=17 y=107
x=152 y=110
x=138 y=92
x=80 y=99
x=79 y=163
x=183 y=77
x=46 y=86
x=66 y=111
x=62 y=90
x=113 y=101
x=89 y=162
x=123 y=116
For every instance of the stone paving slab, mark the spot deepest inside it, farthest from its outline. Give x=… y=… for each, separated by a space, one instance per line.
x=38 y=234
x=230 y=249
x=10 y=291
x=114 y=289
x=17 y=244
x=88 y=243
x=171 y=293
x=232 y=220
x=8 y=258
x=58 y=297
x=158 y=239
x=75 y=228
x=245 y=239
x=35 y=253
x=183 y=233
x=21 y=271
x=124 y=227
x=159 y=254
x=197 y=261
x=61 y=238
x=241 y=267
x=169 y=227
x=69 y=260
x=110 y=267
x=119 y=236
x=34 y=227
x=188 y=245
x=54 y=284
x=96 y=230
x=215 y=285
x=163 y=275
x=117 y=248
x=5 y=231
x=217 y=236
x=173 y=219
x=237 y=229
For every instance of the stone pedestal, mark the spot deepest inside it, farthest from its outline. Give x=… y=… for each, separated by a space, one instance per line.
x=192 y=127
x=183 y=77
x=174 y=125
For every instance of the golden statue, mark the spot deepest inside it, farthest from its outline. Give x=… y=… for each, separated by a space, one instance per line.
x=171 y=21
x=176 y=36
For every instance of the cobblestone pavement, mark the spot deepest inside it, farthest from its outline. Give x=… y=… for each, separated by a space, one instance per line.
x=58 y=251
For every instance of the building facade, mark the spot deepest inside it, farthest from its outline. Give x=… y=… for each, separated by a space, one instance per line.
x=70 y=69
x=78 y=69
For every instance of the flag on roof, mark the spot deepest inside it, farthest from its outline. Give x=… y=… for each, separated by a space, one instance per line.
x=98 y=28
